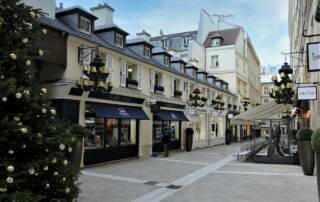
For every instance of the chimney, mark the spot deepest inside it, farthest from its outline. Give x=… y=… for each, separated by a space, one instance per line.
x=60 y=5
x=104 y=13
x=145 y=35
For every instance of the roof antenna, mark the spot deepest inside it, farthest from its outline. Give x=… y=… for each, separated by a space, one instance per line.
x=221 y=18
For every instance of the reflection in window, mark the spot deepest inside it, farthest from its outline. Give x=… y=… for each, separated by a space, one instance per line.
x=112 y=132
x=94 y=133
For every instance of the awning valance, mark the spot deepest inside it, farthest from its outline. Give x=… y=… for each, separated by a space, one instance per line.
x=166 y=115
x=118 y=111
x=265 y=111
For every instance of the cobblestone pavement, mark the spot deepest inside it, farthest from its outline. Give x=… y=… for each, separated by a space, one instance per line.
x=211 y=174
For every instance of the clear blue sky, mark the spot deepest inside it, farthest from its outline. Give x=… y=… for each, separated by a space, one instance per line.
x=264 y=20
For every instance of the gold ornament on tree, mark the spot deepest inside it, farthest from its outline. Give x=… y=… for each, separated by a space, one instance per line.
x=62 y=147
x=10 y=180
x=25 y=40
x=3 y=189
x=16 y=118
x=24 y=130
x=13 y=56
x=67 y=190
x=44 y=110
x=4 y=99
x=10 y=168
x=65 y=162
x=40 y=52
x=45 y=168
x=44 y=91
x=53 y=111
x=44 y=31
x=18 y=95
x=31 y=171
x=26 y=92
x=32 y=14
x=28 y=62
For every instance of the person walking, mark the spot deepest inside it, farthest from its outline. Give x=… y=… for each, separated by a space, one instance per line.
x=166 y=137
x=189 y=137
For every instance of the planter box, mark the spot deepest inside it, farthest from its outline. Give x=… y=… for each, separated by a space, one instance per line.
x=177 y=94
x=133 y=84
x=158 y=90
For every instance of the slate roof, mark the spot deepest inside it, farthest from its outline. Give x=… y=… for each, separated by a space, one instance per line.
x=229 y=36
x=60 y=26
x=168 y=36
x=138 y=40
x=111 y=26
x=75 y=9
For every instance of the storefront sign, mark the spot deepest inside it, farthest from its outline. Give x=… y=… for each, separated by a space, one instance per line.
x=114 y=97
x=307 y=92
x=313 y=56
x=170 y=105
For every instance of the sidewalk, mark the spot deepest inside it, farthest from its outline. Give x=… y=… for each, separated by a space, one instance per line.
x=210 y=174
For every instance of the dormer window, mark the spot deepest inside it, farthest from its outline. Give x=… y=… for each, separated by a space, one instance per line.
x=165 y=44
x=85 y=25
x=119 y=40
x=185 y=41
x=182 y=69
x=216 y=42
x=147 y=52
x=166 y=61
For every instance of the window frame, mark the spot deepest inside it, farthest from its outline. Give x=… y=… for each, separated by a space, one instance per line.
x=116 y=41
x=166 y=61
x=215 y=64
x=82 y=18
x=146 y=51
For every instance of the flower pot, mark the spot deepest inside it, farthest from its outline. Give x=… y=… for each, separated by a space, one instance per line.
x=76 y=154
x=306 y=157
x=318 y=172
x=189 y=140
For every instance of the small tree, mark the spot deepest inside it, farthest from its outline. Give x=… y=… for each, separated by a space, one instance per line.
x=34 y=144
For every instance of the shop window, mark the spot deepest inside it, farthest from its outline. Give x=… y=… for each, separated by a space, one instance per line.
x=157 y=131
x=128 y=132
x=94 y=133
x=160 y=126
x=112 y=132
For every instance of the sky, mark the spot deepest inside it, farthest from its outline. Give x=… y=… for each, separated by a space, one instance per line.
x=264 y=20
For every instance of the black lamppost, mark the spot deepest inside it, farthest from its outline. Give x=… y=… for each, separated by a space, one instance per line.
x=218 y=103
x=245 y=101
x=95 y=74
x=282 y=91
x=196 y=99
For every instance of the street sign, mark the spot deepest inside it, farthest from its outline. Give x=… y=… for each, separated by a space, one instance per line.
x=307 y=92
x=313 y=56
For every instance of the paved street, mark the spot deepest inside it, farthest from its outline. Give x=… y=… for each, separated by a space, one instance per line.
x=211 y=174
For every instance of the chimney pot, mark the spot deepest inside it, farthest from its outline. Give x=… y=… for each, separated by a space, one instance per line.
x=60 y=5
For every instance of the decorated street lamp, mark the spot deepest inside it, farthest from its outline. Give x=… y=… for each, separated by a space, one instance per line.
x=218 y=104
x=245 y=101
x=282 y=91
x=196 y=99
x=94 y=75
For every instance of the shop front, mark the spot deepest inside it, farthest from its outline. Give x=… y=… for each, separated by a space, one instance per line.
x=112 y=132
x=217 y=129
x=164 y=118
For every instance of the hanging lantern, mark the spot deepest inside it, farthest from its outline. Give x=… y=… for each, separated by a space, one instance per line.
x=274 y=78
x=86 y=69
x=100 y=84
x=105 y=71
x=283 y=75
x=93 y=70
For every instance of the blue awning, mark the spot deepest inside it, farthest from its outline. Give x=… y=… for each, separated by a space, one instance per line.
x=166 y=115
x=118 y=111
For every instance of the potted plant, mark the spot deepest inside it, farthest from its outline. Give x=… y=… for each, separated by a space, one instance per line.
x=306 y=155
x=158 y=89
x=131 y=83
x=177 y=93
x=315 y=143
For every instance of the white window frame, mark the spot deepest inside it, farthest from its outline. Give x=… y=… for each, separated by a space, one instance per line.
x=115 y=40
x=87 y=20
x=215 y=63
x=216 y=43
x=147 y=51
x=166 y=57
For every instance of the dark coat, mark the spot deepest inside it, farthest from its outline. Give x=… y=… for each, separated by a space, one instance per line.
x=189 y=131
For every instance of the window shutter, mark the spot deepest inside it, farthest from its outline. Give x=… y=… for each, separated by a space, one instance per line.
x=86 y=56
x=109 y=63
x=139 y=76
x=172 y=86
x=152 y=80
x=123 y=72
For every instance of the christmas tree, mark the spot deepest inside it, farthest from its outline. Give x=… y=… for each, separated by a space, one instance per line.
x=34 y=144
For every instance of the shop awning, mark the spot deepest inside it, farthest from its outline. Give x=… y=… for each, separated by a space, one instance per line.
x=268 y=110
x=118 y=111
x=166 y=115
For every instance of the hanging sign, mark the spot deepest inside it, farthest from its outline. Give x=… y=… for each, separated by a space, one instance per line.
x=313 y=56
x=307 y=92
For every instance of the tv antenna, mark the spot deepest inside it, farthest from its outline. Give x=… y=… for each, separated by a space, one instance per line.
x=221 y=18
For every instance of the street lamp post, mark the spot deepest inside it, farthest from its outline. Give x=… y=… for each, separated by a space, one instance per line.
x=282 y=91
x=245 y=101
